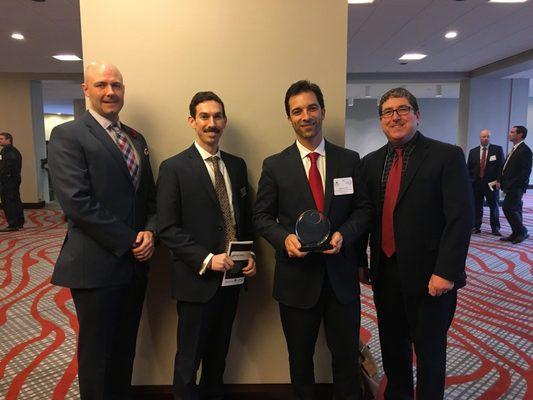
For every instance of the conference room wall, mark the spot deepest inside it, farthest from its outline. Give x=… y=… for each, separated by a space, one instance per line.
x=438 y=120
x=248 y=53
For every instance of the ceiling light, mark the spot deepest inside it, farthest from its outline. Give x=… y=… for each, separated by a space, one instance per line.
x=367 y=91
x=507 y=1
x=360 y=1
x=438 y=91
x=67 y=57
x=450 y=35
x=17 y=36
x=412 y=56
x=58 y=113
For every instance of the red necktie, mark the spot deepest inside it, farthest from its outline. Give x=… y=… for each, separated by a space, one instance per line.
x=483 y=162
x=391 y=195
x=315 y=182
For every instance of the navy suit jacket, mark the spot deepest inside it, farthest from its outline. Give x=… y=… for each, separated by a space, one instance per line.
x=104 y=209
x=433 y=216
x=283 y=194
x=190 y=220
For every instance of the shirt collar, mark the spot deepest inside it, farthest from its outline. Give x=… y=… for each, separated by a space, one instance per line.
x=205 y=154
x=406 y=146
x=103 y=121
x=518 y=144
x=304 y=151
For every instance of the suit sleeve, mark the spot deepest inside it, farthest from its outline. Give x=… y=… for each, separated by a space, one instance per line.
x=151 y=201
x=500 y=159
x=459 y=214
x=247 y=230
x=358 y=222
x=265 y=211
x=72 y=184
x=169 y=220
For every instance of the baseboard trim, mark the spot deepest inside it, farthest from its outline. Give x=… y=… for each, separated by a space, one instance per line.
x=263 y=391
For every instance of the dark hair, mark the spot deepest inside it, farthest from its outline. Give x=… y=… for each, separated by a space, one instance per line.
x=201 y=97
x=8 y=136
x=302 y=87
x=399 y=93
x=521 y=129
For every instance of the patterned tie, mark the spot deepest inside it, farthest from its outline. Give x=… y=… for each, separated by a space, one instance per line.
x=392 y=188
x=127 y=152
x=483 y=162
x=223 y=200
x=315 y=182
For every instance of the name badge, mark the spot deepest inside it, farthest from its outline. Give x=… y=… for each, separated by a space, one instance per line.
x=342 y=186
x=492 y=158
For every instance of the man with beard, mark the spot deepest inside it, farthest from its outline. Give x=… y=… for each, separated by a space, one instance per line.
x=103 y=181
x=203 y=203
x=10 y=168
x=419 y=237
x=314 y=286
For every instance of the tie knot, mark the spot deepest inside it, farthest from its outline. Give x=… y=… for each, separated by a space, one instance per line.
x=399 y=151
x=313 y=157
x=214 y=160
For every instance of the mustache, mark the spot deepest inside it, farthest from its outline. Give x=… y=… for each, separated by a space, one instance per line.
x=213 y=129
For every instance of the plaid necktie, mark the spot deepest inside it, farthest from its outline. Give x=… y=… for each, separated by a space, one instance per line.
x=223 y=200
x=127 y=152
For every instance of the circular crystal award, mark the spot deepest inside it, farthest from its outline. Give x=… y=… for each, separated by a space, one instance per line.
x=312 y=230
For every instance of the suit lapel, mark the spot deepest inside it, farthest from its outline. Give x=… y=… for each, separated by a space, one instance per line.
x=99 y=133
x=200 y=171
x=233 y=172
x=415 y=161
x=301 y=183
x=332 y=167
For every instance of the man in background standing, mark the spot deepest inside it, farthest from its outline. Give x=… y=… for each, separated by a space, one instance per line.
x=10 y=169
x=484 y=166
x=514 y=182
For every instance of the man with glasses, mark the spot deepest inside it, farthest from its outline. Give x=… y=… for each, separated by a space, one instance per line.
x=422 y=206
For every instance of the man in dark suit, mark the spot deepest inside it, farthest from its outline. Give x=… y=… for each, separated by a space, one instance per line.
x=311 y=287
x=484 y=165
x=10 y=168
x=419 y=239
x=101 y=173
x=514 y=182
x=203 y=203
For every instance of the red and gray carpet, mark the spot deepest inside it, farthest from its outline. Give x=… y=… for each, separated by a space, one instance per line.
x=490 y=343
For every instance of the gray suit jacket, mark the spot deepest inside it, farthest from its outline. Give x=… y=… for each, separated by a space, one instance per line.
x=104 y=209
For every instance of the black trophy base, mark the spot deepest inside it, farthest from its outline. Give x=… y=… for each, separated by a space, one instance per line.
x=315 y=248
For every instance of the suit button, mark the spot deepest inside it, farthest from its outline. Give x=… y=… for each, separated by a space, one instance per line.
x=219 y=228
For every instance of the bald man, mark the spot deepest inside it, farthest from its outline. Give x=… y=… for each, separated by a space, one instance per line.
x=484 y=165
x=103 y=181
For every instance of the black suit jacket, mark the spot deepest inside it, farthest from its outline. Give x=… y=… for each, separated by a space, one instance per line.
x=433 y=216
x=515 y=176
x=104 y=209
x=493 y=164
x=10 y=165
x=190 y=220
x=283 y=194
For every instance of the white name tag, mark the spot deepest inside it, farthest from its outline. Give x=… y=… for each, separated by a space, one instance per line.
x=342 y=186
x=492 y=158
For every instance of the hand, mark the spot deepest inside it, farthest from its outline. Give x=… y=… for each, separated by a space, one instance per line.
x=364 y=275
x=438 y=285
x=336 y=242
x=143 y=247
x=250 y=269
x=497 y=185
x=292 y=245
x=221 y=262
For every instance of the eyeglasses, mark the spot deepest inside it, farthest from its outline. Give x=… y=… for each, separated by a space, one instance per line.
x=402 y=110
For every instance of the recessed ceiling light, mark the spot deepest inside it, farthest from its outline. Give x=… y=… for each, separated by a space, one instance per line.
x=360 y=1
x=507 y=1
x=450 y=35
x=58 y=113
x=67 y=57
x=17 y=36
x=412 y=56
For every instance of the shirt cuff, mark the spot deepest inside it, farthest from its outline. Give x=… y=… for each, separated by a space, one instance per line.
x=206 y=262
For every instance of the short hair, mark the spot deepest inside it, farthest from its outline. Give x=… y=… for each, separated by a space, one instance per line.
x=521 y=129
x=397 y=93
x=202 y=97
x=302 y=87
x=8 y=136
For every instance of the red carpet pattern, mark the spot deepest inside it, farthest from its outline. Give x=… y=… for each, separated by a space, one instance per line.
x=490 y=343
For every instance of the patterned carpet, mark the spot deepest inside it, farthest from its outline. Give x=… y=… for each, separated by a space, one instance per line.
x=490 y=348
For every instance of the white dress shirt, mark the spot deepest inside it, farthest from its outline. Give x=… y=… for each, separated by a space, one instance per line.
x=320 y=162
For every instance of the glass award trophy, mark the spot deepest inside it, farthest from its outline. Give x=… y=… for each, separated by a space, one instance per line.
x=312 y=230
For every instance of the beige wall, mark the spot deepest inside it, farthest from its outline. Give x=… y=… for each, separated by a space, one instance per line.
x=248 y=52
x=53 y=120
